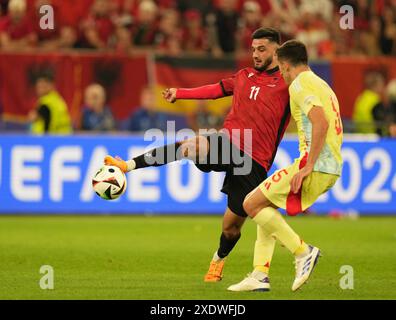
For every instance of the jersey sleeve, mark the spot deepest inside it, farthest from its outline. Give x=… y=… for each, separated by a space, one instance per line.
x=227 y=85
x=304 y=95
x=211 y=91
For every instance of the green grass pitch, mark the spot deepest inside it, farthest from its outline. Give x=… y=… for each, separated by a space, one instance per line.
x=137 y=257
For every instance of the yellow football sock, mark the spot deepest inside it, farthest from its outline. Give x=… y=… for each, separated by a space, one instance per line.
x=302 y=249
x=263 y=251
x=272 y=223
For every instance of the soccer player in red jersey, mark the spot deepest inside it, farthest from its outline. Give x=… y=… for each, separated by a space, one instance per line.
x=246 y=146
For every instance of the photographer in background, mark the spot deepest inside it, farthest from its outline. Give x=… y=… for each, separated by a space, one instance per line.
x=51 y=114
x=366 y=101
x=384 y=113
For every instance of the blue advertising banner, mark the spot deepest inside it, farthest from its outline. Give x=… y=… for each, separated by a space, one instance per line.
x=52 y=175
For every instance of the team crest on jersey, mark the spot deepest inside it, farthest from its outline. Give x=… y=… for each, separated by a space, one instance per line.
x=273 y=83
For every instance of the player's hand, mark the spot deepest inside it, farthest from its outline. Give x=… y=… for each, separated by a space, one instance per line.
x=169 y=94
x=117 y=161
x=297 y=180
x=33 y=115
x=392 y=130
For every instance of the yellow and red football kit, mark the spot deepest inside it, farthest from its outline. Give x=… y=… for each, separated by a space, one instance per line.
x=306 y=91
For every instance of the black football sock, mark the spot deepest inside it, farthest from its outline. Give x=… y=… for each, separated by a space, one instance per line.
x=226 y=245
x=159 y=156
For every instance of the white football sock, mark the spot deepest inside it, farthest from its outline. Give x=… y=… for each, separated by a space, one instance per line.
x=259 y=275
x=131 y=165
x=216 y=257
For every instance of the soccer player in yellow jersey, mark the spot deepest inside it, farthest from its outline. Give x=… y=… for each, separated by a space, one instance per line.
x=315 y=109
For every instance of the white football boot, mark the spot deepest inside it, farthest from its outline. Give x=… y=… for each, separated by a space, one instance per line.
x=251 y=283
x=304 y=267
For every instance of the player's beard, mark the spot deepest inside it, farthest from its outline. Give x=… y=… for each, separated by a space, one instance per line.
x=265 y=65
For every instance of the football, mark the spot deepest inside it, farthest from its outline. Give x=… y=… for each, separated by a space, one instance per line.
x=109 y=182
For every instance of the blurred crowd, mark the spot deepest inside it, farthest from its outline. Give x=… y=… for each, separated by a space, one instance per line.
x=374 y=111
x=216 y=27
x=51 y=113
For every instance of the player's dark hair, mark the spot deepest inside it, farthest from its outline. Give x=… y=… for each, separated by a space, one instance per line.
x=294 y=52
x=271 y=34
x=45 y=75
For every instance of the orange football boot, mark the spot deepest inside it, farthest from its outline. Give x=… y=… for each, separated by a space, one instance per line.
x=117 y=162
x=215 y=272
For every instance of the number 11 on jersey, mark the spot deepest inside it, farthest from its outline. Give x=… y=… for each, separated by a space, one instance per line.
x=254 y=92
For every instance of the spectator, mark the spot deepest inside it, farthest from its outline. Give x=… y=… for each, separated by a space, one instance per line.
x=124 y=21
x=202 y=6
x=96 y=116
x=98 y=27
x=366 y=101
x=251 y=20
x=265 y=6
x=67 y=39
x=45 y=37
x=145 y=117
x=282 y=16
x=3 y=7
x=384 y=113
x=16 y=30
x=194 y=35
x=323 y=8
x=61 y=37
x=223 y=25
x=146 y=27
x=388 y=32
x=123 y=41
x=312 y=31
x=126 y=12
x=168 y=39
x=362 y=14
x=368 y=40
x=51 y=114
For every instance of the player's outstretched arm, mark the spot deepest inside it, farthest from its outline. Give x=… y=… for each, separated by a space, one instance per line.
x=211 y=91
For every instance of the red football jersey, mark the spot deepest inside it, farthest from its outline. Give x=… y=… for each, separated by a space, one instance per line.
x=260 y=103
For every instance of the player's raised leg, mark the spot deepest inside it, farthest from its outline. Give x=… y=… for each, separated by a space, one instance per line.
x=230 y=235
x=194 y=149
